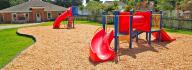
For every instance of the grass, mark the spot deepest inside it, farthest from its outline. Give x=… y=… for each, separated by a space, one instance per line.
x=77 y=22
x=11 y=44
x=189 y=32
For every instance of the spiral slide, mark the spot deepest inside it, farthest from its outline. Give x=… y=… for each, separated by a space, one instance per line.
x=62 y=17
x=100 y=47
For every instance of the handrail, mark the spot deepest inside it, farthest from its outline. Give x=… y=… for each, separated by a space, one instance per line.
x=156 y=14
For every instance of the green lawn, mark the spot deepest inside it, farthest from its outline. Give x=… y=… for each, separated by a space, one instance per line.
x=11 y=44
x=77 y=22
x=189 y=32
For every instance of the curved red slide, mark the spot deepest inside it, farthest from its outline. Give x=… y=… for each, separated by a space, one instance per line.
x=62 y=17
x=100 y=47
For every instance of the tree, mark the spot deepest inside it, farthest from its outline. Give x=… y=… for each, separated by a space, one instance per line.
x=167 y=5
x=8 y=3
x=187 y=5
x=68 y=3
x=4 y=4
x=109 y=8
x=65 y=3
x=16 y=2
x=130 y=4
x=94 y=7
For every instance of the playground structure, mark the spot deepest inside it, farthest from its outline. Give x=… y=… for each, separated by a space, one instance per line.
x=127 y=25
x=69 y=14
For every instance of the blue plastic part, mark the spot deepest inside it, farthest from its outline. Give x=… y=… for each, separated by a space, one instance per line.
x=130 y=28
x=116 y=13
x=147 y=36
x=161 y=26
x=137 y=36
x=74 y=10
x=161 y=19
x=73 y=22
x=150 y=32
x=103 y=21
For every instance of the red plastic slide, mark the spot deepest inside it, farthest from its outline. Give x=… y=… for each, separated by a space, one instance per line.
x=62 y=17
x=100 y=47
x=164 y=36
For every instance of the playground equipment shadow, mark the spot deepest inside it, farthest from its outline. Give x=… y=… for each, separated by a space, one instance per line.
x=142 y=46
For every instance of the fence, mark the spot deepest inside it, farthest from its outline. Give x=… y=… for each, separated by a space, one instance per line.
x=167 y=22
x=89 y=18
x=178 y=23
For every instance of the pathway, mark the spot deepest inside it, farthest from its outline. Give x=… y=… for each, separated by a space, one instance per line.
x=17 y=26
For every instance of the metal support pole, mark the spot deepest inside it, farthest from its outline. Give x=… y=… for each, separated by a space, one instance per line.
x=130 y=28
x=161 y=19
x=161 y=26
x=116 y=13
x=150 y=32
x=137 y=36
x=103 y=21
x=147 y=36
x=73 y=22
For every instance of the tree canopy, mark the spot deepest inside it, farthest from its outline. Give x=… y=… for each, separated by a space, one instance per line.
x=7 y=3
x=4 y=4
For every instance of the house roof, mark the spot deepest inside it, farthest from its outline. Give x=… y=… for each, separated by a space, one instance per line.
x=25 y=7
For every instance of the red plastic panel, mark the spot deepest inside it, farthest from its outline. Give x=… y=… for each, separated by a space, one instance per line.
x=124 y=22
x=146 y=26
x=138 y=21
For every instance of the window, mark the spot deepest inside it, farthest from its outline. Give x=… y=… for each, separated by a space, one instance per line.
x=49 y=15
x=21 y=16
x=14 y=16
x=26 y=15
x=1 y=18
x=38 y=15
x=59 y=13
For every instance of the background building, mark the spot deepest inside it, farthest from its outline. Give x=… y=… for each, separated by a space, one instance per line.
x=31 y=11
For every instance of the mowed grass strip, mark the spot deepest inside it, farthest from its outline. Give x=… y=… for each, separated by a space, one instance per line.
x=11 y=44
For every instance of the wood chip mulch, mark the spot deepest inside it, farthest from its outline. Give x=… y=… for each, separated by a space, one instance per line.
x=63 y=49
